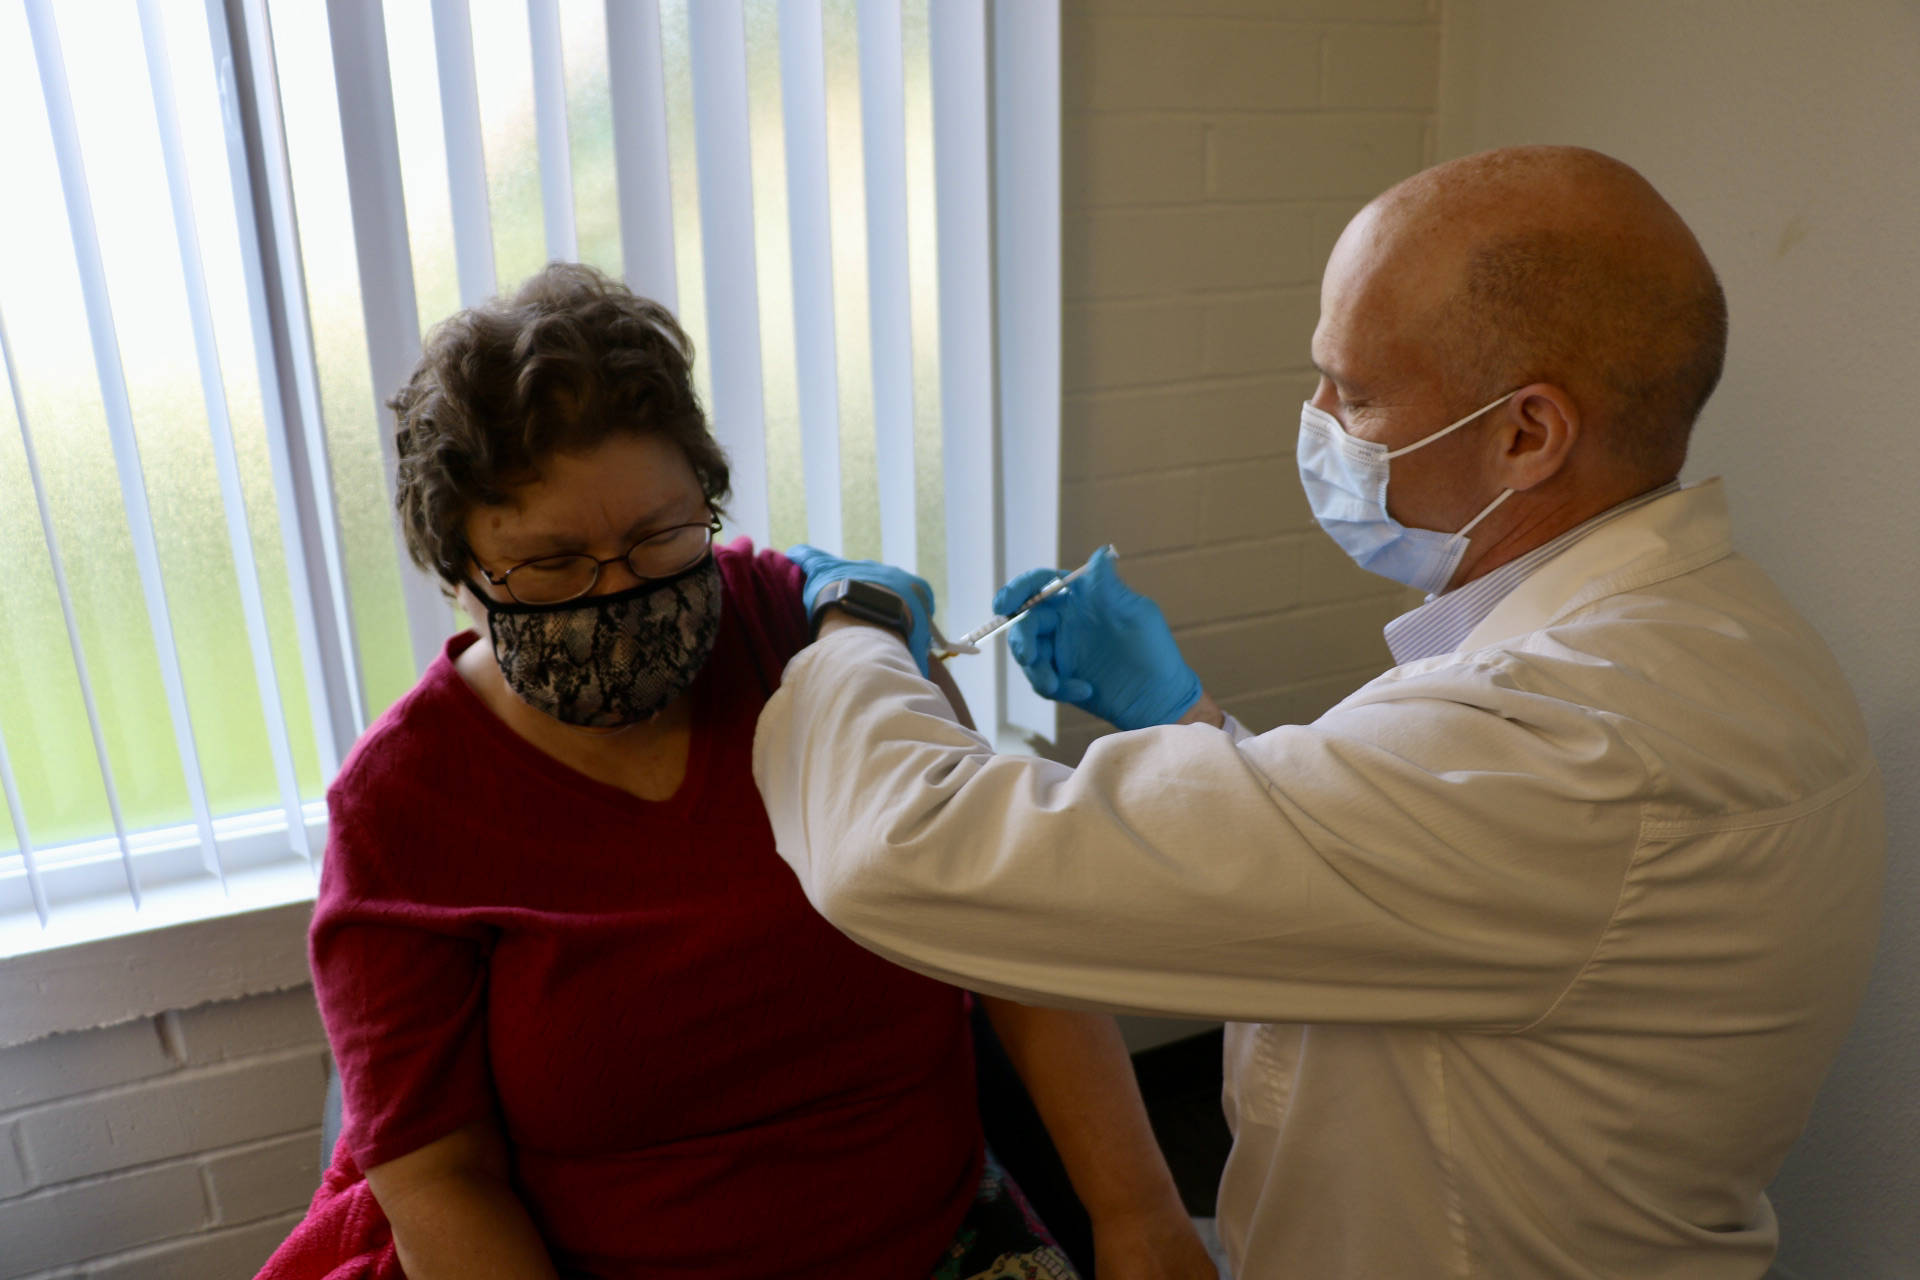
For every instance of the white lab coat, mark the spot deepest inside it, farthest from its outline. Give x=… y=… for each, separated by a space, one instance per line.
x=1537 y=951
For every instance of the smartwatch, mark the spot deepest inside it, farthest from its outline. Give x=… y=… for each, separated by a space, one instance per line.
x=867 y=601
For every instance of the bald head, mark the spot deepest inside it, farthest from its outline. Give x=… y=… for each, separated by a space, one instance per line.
x=1549 y=264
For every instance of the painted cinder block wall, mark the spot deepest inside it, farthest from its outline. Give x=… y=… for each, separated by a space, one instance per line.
x=1213 y=150
x=181 y=1146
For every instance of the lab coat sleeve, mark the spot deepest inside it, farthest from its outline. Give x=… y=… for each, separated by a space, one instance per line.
x=1410 y=858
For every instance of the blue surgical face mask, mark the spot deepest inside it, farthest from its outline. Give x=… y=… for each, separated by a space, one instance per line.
x=1346 y=482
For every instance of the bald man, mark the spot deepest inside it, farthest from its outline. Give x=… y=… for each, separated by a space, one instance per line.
x=1534 y=949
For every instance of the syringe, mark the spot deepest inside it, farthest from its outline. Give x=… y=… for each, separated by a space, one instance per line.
x=970 y=642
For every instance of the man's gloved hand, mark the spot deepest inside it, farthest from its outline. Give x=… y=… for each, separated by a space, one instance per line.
x=1100 y=646
x=822 y=568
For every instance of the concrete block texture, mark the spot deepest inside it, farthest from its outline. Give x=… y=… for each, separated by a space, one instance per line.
x=1118 y=344
x=1221 y=582
x=1132 y=159
x=1254 y=655
x=237 y=1028
x=1236 y=657
x=261 y=1179
x=1327 y=574
x=1119 y=253
x=1259 y=332
x=1375 y=68
x=1182 y=426
x=1336 y=638
x=1313 y=157
x=1138 y=514
x=1260 y=497
x=198 y=1109
x=1350 y=11
x=1188 y=64
x=13 y=1175
x=78 y=1061
x=100 y=1216
x=232 y=1253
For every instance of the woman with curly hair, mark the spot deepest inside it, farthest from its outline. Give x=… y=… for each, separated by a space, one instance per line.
x=585 y=1021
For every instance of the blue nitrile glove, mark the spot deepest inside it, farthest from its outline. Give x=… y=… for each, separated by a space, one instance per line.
x=1100 y=646
x=822 y=568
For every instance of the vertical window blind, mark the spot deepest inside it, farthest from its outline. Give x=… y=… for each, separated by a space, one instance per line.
x=229 y=224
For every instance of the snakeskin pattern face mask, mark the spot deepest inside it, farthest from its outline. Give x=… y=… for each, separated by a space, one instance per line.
x=605 y=661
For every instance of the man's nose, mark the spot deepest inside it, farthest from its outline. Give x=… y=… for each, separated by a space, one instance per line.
x=1324 y=396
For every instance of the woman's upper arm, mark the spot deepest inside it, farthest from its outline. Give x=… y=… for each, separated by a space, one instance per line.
x=943 y=680
x=405 y=1012
x=454 y=1212
x=401 y=986
x=472 y=1151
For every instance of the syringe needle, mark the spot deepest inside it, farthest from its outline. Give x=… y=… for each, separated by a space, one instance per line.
x=969 y=643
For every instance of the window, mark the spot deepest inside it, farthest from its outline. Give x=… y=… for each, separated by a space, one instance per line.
x=230 y=221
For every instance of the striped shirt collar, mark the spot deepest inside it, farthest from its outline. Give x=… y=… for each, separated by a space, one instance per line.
x=1439 y=625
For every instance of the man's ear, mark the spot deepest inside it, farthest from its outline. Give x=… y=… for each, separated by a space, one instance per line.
x=1538 y=428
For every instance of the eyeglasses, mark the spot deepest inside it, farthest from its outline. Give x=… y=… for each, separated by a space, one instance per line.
x=557 y=579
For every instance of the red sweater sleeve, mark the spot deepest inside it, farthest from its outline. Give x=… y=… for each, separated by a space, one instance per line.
x=401 y=984
x=769 y=585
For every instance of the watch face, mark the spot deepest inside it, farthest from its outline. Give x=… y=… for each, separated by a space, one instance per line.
x=867 y=601
x=876 y=603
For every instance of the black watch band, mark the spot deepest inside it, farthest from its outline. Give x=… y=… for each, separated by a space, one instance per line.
x=868 y=601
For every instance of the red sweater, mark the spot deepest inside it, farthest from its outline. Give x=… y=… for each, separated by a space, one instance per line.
x=695 y=1073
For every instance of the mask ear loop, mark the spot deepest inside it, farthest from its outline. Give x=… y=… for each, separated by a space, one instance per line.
x=1487 y=510
x=1484 y=513
x=1449 y=430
